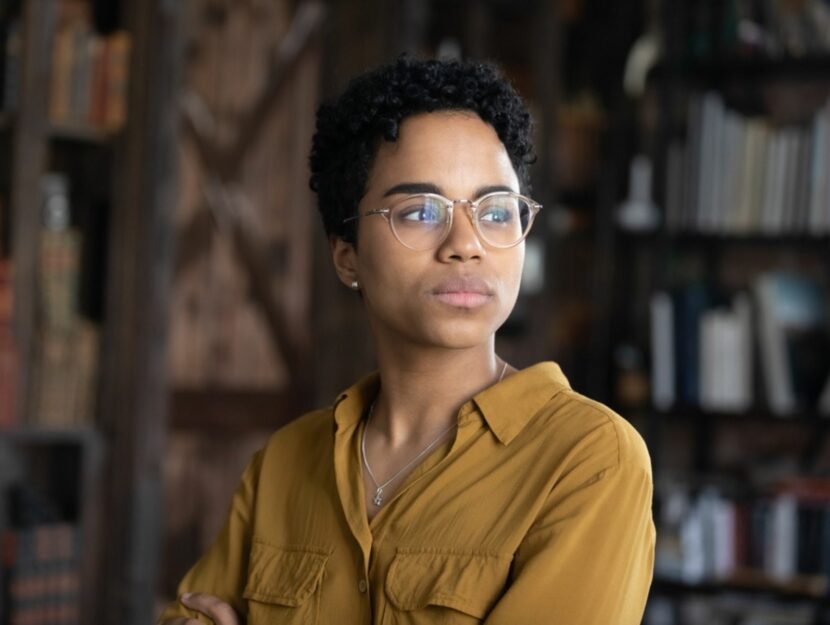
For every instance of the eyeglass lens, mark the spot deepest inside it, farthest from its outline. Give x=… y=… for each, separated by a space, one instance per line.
x=421 y=222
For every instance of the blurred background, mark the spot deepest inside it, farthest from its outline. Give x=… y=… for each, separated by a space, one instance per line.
x=167 y=298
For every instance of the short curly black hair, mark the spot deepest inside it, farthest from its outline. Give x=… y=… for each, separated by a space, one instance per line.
x=350 y=128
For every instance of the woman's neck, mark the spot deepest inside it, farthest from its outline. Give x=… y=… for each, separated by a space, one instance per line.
x=421 y=390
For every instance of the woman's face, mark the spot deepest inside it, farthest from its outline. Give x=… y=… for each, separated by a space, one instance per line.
x=458 y=294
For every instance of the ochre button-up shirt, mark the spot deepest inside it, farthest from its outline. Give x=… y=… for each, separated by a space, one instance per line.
x=537 y=512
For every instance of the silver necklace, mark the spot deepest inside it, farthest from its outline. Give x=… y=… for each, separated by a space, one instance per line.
x=378 y=499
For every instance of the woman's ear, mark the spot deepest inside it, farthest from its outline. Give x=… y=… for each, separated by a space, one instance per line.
x=344 y=256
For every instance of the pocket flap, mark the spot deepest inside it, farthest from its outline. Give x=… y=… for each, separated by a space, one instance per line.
x=467 y=582
x=285 y=575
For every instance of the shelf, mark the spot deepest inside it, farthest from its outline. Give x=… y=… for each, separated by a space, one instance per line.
x=228 y=410
x=6 y=120
x=799 y=588
x=45 y=436
x=82 y=134
x=754 y=416
x=700 y=239
x=745 y=70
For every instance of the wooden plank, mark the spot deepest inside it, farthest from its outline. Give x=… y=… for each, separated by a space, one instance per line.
x=29 y=162
x=134 y=393
x=233 y=411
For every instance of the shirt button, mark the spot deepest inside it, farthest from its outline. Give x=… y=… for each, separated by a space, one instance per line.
x=361 y=585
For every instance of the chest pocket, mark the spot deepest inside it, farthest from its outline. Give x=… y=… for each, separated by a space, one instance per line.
x=283 y=584
x=452 y=588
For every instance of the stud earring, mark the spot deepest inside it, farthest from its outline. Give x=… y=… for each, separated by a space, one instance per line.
x=355 y=285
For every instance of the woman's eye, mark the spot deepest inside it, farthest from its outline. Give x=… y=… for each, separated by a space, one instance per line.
x=497 y=215
x=423 y=214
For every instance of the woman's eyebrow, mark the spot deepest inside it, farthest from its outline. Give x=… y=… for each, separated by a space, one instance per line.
x=428 y=187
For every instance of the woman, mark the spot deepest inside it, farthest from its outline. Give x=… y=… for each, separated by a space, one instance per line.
x=447 y=487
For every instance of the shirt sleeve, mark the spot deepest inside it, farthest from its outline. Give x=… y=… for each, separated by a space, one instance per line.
x=222 y=569
x=589 y=556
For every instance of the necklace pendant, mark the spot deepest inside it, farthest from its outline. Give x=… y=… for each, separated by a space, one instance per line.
x=379 y=497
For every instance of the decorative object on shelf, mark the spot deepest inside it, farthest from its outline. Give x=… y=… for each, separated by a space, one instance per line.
x=66 y=358
x=639 y=212
x=632 y=387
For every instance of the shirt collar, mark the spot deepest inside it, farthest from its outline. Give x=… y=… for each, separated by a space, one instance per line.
x=506 y=406
x=510 y=404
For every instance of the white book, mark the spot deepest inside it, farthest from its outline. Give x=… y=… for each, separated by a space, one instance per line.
x=714 y=206
x=771 y=166
x=780 y=544
x=787 y=174
x=662 y=351
x=709 y=365
x=744 y=191
x=709 y=182
x=732 y=169
x=819 y=195
x=773 y=349
x=726 y=358
x=724 y=538
x=676 y=196
x=694 y=546
x=805 y=149
x=689 y=217
x=757 y=180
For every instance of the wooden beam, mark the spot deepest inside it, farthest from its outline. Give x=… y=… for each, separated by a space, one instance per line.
x=28 y=164
x=134 y=361
x=226 y=163
x=230 y=411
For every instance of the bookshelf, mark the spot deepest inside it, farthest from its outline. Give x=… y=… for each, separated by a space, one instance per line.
x=731 y=398
x=86 y=187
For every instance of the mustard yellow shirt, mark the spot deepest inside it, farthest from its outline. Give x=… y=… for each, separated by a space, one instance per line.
x=538 y=511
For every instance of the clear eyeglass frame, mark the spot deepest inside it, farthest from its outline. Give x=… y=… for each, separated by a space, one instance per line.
x=472 y=211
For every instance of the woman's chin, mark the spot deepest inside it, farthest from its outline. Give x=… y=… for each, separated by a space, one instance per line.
x=460 y=335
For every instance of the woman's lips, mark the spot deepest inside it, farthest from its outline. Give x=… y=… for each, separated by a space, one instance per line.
x=463 y=299
x=463 y=291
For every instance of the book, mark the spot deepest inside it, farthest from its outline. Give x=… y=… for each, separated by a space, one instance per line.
x=662 y=351
x=745 y=175
x=691 y=302
x=43 y=570
x=793 y=339
x=726 y=358
x=89 y=72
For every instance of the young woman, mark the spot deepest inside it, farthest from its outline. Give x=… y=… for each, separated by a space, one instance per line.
x=447 y=486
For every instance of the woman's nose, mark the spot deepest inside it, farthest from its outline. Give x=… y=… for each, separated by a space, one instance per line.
x=462 y=240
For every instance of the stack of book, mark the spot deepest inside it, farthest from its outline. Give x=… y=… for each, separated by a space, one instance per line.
x=737 y=28
x=743 y=175
x=41 y=572
x=8 y=353
x=66 y=360
x=89 y=72
x=703 y=349
x=780 y=536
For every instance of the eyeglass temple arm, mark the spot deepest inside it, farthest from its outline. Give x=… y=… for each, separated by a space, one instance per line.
x=374 y=211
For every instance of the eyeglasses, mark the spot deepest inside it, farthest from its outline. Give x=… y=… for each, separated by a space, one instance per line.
x=421 y=222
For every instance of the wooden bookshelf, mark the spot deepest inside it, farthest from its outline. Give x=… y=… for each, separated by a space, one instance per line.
x=715 y=241
x=811 y=588
x=745 y=70
x=127 y=171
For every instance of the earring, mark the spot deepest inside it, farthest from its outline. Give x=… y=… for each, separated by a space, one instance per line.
x=355 y=285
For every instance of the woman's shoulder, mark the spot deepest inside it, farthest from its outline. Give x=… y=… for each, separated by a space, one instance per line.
x=307 y=429
x=576 y=420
